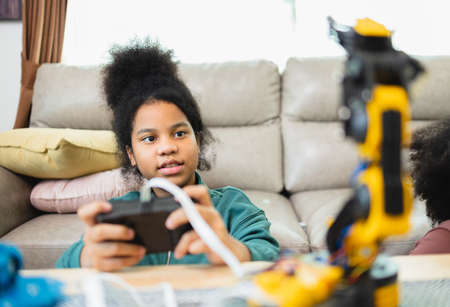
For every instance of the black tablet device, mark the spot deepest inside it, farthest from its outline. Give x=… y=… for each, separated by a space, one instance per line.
x=147 y=219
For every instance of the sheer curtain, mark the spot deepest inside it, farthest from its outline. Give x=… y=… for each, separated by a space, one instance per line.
x=222 y=30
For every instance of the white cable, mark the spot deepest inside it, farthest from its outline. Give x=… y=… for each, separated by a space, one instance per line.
x=94 y=291
x=197 y=222
x=133 y=292
x=95 y=295
x=169 y=295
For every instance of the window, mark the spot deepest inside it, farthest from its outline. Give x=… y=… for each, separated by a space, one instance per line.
x=197 y=30
x=419 y=27
x=223 y=30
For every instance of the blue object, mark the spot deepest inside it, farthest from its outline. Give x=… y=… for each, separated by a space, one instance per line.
x=343 y=235
x=24 y=291
x=362 y=166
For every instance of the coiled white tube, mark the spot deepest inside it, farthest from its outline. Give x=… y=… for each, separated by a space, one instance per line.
x=197 y=222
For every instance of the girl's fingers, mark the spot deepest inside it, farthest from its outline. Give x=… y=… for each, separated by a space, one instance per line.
x=179 y=217
x=183 y=245
x=117 y=249
x=176 y=218
x=198 y=247
x=199 y=193
x=108 y=232
x=88 y=212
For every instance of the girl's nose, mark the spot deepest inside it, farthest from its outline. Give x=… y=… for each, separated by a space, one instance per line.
x=167 y=147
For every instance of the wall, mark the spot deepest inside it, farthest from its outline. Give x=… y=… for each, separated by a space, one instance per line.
x=10 y=48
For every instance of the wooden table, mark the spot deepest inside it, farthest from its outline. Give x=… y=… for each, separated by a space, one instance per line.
x=179 y=276
x=423 y=267
x=411 y=268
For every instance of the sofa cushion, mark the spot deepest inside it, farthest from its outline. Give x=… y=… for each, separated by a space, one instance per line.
x=235 y=93
x=317 y=208
x=317 y=156
x=57 y=153
x=15 y=207
x=67 y=195
x=69 y=97
x=43 y=239
x=284 y=223
x=430 y=93
x=312 y=89
x=247 y=157
x=229 y=94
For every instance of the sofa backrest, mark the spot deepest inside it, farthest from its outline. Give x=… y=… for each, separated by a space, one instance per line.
x=239 y=102
x=316 y=153
x=271 y=133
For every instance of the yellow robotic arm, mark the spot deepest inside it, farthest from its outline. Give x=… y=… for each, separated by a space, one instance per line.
x=376 y=113
x=377 y=110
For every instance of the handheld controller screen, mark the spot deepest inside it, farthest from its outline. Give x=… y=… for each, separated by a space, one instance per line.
x=147 y=219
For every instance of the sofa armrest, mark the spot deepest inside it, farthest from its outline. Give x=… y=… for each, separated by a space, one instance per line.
x=15 y=206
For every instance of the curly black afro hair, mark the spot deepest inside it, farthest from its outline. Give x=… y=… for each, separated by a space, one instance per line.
x=430 y=156
x=143 y=72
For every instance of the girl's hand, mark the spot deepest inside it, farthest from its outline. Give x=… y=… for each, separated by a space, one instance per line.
x=103 y=247
x=191 y=242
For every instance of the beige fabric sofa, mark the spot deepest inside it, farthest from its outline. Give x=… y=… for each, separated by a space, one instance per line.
x=278 y=139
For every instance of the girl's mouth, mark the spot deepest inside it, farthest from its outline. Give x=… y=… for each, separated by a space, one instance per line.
x=171 y=168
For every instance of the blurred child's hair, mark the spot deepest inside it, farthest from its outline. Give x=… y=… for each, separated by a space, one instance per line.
x=142 y=73
x=430 y=157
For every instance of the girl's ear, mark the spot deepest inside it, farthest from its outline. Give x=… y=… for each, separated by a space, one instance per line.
x=130 y=155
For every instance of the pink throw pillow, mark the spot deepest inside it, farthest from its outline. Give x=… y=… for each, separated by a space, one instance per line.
x=66 y=196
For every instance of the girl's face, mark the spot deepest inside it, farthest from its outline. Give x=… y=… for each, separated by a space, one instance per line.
x=164 y=143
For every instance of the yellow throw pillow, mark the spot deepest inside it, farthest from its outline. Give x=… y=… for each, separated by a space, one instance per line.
x=58 y=153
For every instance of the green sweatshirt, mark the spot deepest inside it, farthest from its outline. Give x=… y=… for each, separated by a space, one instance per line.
x=244 y=221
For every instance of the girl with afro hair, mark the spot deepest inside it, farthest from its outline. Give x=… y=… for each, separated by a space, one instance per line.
x=160 y=133
x=430 y=156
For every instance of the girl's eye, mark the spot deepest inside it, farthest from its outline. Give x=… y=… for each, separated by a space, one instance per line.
x=149 y=139
x=180 y=134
